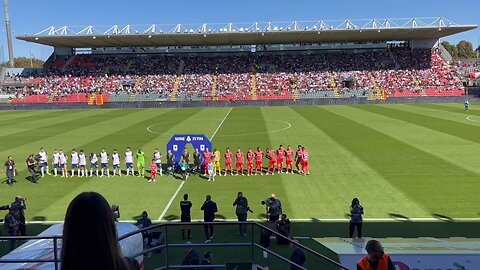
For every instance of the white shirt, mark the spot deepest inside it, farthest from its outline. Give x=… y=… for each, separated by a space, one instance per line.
x=56 y=158
x=103 y=157
x=63 y=158
x=129 y=157
x=83 y=159
x=74 y=158
x=43 y=156
x=116 y=159
x=158 y=157
x=93 y=158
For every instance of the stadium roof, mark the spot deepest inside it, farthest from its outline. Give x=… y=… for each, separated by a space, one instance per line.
x=248 y=33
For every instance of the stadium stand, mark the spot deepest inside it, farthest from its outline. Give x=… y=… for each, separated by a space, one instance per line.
x=399 y=71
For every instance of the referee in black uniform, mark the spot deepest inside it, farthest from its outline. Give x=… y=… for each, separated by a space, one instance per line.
x=185 y=207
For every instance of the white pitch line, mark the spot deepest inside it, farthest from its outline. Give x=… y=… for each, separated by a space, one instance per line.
x=221 y=123
x=183 y=182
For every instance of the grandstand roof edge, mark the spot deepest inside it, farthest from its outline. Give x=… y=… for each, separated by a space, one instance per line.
x=249 y=33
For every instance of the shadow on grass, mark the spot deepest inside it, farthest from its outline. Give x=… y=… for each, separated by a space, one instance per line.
x=443 y=217
x=39 y=218
x=171 y=217
x=399 y=217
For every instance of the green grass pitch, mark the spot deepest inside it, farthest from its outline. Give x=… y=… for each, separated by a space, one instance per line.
x=411 y=160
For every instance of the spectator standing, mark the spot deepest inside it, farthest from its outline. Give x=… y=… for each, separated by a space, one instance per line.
x=356 y=219
x=209 y=209
x=19 y=206
x=90 y=237
x=298 y=256
x=376 y=258
x=10 y=170
x=241 y=208
x=185 y=216
x=12 y=225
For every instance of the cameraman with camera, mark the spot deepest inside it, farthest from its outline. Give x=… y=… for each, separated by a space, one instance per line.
x=19 y=206
x=356 y=220
x=274 y=208
x=241 y=210
x=31 y=163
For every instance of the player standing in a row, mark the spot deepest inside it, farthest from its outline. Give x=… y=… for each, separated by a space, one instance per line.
x=55 y=162
x=298 y=157
x=63 y=163
x=83 y=163
x=305 y=161
x=239 y=161
x=43 y=162
x=272 y=164
x=228 y=161
x=216 y=162
x=116 y=163
x=129 y=161
x=207 y=157
x=259 y=161
x=104 y=162
x=141 y=163
x=289 y=159
x=157 y=156
x=93 y=164
x=280 y=157
x=75 y=160
x=250 y=158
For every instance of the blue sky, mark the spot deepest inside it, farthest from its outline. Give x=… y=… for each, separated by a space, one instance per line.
x=32 y=16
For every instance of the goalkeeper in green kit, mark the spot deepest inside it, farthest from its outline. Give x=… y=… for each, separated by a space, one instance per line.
x=141 y=163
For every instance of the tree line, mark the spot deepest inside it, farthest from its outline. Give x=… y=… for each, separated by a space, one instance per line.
x=24 y=62
x=464 y=49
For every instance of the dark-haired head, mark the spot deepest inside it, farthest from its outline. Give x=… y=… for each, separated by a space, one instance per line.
x=90 y=236
x=355 y=201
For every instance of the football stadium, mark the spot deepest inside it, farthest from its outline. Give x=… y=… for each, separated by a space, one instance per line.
x=301 y=117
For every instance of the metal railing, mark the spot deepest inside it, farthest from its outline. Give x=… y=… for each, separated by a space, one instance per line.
x=56 y=250
x=167 y=245
x=251 y=244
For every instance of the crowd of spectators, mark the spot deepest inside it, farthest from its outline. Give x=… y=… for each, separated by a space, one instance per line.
x=396 y=70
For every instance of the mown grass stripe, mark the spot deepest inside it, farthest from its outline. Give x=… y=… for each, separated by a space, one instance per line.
x=17 y=139
x=464 y=131
x=334 y=168
x=413 y=171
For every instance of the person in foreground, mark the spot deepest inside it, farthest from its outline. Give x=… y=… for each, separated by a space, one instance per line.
x=376 y=258
x=90 y=236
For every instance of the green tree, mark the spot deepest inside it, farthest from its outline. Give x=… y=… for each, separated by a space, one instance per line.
x=465 y=49
x=24 y=62
x=451 y=49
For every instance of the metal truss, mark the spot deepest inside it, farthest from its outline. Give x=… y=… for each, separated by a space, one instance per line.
x=205 y=28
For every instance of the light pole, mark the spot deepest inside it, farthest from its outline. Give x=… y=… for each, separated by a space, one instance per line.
x=9 y=33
